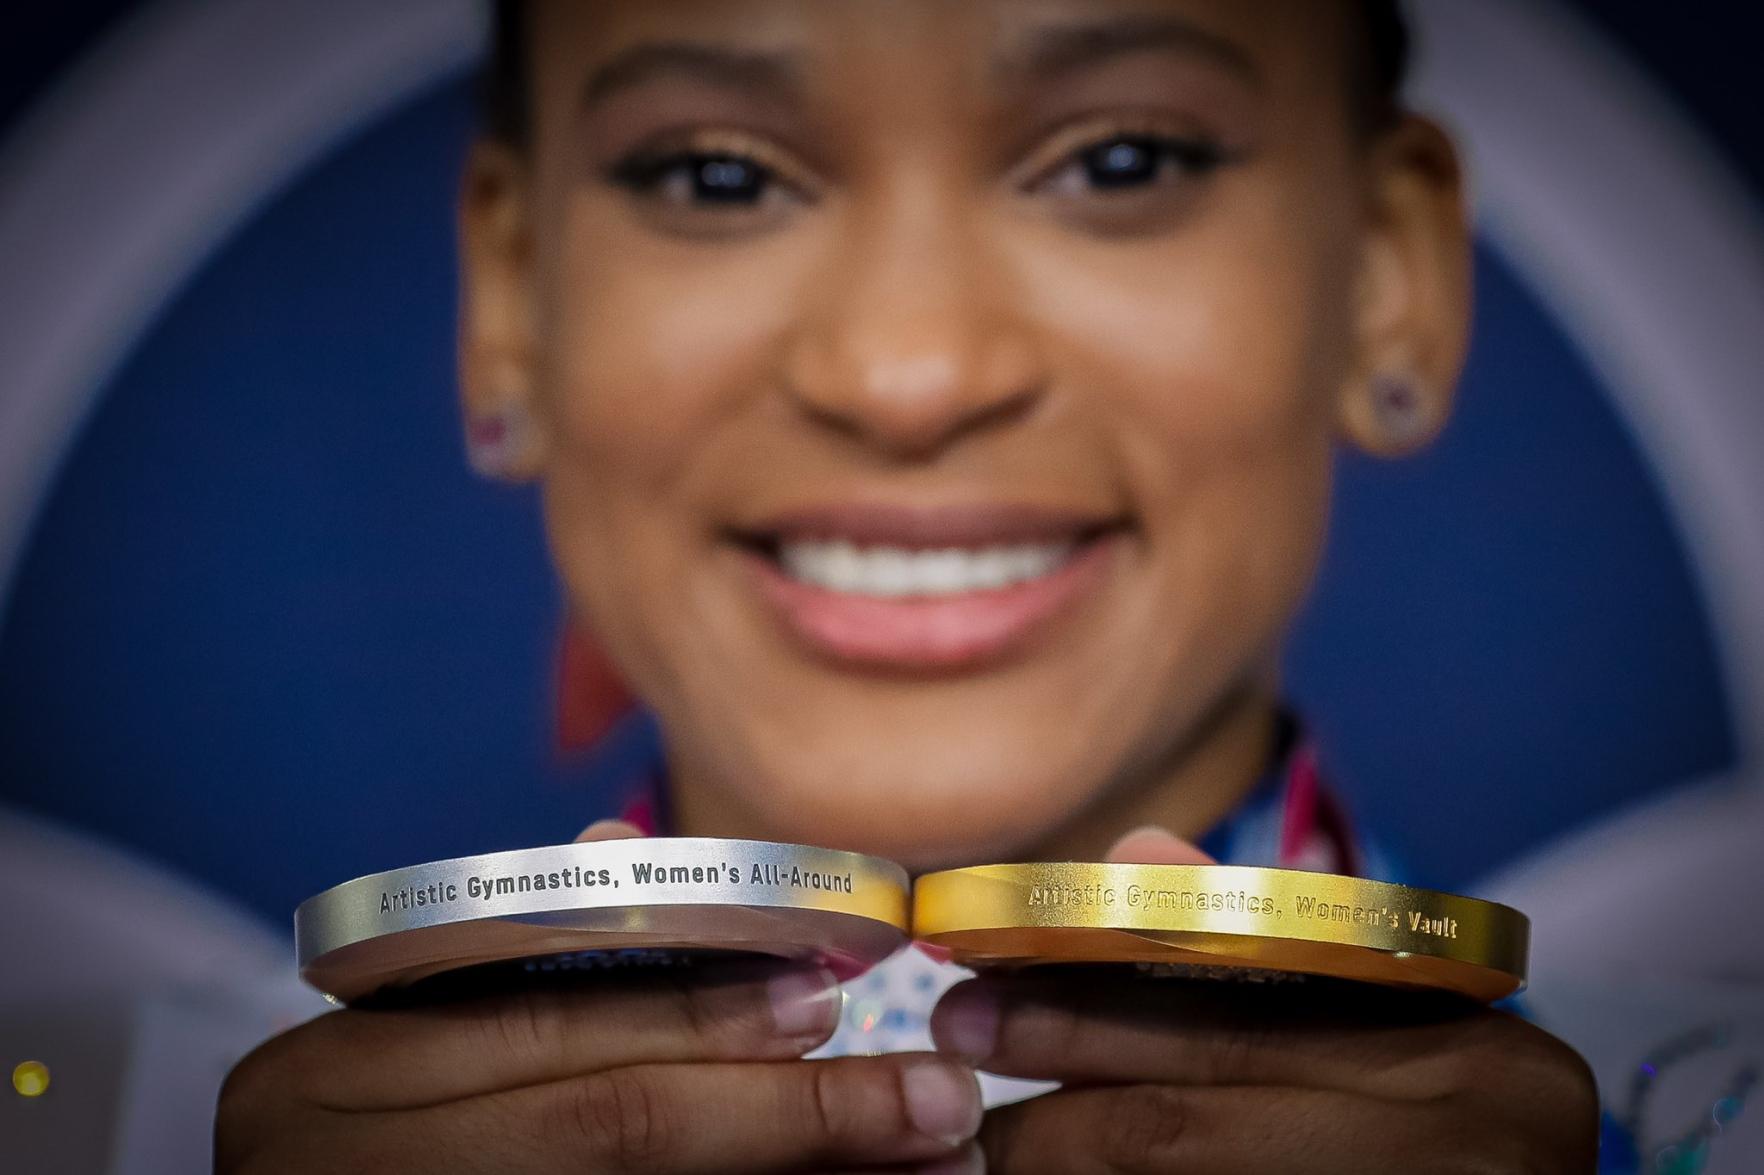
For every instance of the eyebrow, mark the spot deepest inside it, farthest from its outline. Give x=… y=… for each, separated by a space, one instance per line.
x=779 y=73
x=1064 y=48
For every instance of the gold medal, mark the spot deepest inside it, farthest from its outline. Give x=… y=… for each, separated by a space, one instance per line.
x=1237 y=918
x=612 y=898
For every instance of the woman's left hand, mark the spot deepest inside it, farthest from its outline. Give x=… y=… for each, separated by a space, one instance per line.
x=1162 y=1075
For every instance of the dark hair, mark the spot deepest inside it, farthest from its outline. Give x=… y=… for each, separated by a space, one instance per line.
x=502 y=87
x=1382 y=49
x=1383 y=69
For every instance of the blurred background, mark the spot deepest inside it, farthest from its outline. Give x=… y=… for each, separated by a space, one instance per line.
x=262 y=631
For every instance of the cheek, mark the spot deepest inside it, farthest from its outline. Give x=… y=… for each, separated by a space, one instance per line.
x=647 y=357
x=1212 y=358
x=650 y=346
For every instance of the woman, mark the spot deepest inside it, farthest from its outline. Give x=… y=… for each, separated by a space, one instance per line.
x=934 y=405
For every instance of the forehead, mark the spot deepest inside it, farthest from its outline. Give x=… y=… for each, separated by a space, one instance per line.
x=1292 y=50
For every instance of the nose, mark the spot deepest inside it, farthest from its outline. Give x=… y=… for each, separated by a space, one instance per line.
x=911 y=341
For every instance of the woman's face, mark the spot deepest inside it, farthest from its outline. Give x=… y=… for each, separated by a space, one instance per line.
x=938 y=396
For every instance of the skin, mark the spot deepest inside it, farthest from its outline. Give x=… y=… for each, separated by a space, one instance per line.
x=935 y=306
x=944 y=321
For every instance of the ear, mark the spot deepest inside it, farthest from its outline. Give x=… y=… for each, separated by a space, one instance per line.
x=1412 y=312
x=498 y=362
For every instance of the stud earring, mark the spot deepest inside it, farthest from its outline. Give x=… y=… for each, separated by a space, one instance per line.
x=1400 y=409
x=496 y=441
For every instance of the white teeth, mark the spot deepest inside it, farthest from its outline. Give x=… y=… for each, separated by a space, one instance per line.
x=891 y=572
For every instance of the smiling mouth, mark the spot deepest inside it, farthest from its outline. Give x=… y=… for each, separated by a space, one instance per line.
x=889 y=553
x=884 y=572
x=911 y=589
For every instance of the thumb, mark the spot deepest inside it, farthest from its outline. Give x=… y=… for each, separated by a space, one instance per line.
x=1152 y=845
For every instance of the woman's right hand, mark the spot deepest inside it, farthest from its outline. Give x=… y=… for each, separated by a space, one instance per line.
x=656 y=1071
x=656 y=1074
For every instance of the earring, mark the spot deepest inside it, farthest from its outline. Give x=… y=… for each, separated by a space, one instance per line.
x=1400 y=409
x=497 y=441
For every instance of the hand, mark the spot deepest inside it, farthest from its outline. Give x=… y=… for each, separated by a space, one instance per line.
x=651 y=1071
x=1165 y=1075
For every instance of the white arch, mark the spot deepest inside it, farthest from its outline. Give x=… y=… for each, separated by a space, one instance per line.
x=1601 y=195
x=1643 y=244
x=146 y=158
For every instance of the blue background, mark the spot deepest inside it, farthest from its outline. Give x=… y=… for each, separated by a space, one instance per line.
x=270 y=631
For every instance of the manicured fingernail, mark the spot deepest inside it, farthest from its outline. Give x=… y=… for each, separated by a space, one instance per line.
x=608 y=830
x=804 y=1003
x=1152 y=845
x=943 y=1100
x=970 y=1162
x=1146 y=830
x=967 y=1024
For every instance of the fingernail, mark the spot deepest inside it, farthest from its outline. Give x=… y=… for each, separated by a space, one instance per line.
x=968 y=1023
x=608 y=830
x=1153 y=833
x=943 y=1100
x=1152 y=845
x=970 y=1162
x=804 y=1003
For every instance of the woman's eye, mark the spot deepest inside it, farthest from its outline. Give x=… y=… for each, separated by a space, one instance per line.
x=1132 y=161
x=698 y=179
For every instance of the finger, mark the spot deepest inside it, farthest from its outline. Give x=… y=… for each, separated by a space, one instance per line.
x=970 y=1160
x=404 y=1058
x=719 y=1118
x=1152 y=845
x=608 y=830
x=1084 y=1025
x=1182 y=1130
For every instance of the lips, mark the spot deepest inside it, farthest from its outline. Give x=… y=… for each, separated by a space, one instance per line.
x=915 y=589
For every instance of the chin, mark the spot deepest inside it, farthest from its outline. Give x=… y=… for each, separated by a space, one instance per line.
x=923 y=819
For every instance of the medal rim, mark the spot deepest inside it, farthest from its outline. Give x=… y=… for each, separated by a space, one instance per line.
x=983 y=915
x=347 y=945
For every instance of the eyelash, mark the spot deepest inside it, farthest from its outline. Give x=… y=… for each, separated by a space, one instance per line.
x=705 y=160
x=1150 y=155
x=742 y=168
x=645 y=174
